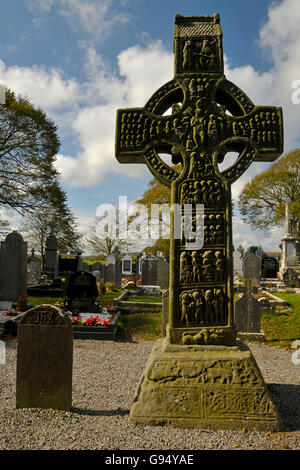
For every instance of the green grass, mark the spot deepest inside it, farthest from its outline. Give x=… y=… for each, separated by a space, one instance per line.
x=140 y=326
x=292 y=299
x=106 y=300
x=282 y=327
x=44 y=300
x=144 y=298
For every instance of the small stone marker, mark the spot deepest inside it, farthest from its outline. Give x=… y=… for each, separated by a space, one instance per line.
x=44 y=359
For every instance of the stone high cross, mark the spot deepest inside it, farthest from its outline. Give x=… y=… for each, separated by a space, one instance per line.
x=210 y=117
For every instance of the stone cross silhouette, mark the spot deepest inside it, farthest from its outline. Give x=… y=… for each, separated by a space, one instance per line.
x=210 y=117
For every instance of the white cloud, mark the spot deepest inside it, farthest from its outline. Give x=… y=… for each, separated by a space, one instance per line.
x=142 y=70
x=95 y=17
x=47 y=89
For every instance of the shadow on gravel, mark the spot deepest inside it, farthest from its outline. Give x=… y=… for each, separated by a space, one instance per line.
x=86 y=412
x=287 y=401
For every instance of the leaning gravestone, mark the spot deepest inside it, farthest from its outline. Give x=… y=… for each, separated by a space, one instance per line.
x=198 y=375
x=13 y=267
x=44 y=359
x=252 y=268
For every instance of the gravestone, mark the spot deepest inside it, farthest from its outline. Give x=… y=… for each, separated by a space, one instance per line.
x=110 y=268
x=82 y=293
x=33 y=269
x=269 y=267
x=247 y=315
x=113 y=270
x=149 y=271
x=163 y=272
x=99 y=267
x=252 y=268
x=127 y=265
x=44 y=359
x=13 y=267
x=69 y=262
x=51 y=259
x=85 y=266
x=198 y=375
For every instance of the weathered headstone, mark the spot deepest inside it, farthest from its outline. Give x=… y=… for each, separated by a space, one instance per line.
x=163 y=272
x=149 y=271
x=198 y=376
x=252 y=268
x=13 y=267
x=247 y=314
x=44 y=359
x=99 y=267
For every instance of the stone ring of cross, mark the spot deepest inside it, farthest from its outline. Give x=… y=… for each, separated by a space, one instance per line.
x=210 y=116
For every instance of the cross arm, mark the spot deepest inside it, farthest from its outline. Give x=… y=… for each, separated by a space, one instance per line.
x=263 y=126
x=137 y=130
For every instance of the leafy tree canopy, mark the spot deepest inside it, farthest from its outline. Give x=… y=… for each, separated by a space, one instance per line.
x=28 y=145
x=263 y=199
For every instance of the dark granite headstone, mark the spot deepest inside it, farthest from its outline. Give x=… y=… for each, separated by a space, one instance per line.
x=82 y=292
x=68 y=263
x=44 y=359
x=269 y=267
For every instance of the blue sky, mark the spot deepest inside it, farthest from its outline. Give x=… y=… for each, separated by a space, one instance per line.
x=80 y=60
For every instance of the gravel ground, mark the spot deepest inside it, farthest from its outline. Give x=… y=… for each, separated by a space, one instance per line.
x=105 y=377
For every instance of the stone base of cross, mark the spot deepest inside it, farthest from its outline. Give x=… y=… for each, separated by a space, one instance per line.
x=198 y=375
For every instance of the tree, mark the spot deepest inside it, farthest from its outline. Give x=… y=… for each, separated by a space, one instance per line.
x=103 y=236
x=262 y=200
x=37 y=224
x=28 y=145
x=157 y=193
